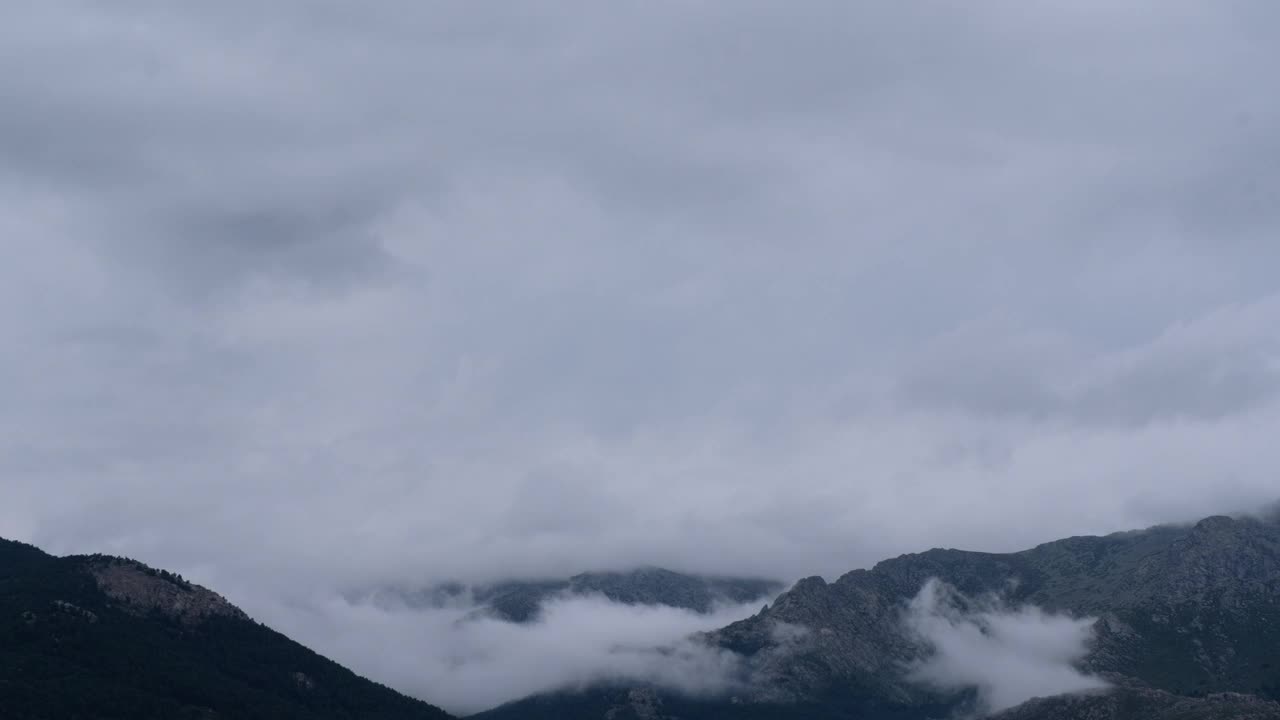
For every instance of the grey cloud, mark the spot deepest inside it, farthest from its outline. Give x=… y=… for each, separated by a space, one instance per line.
x=1218 y=365
x=468 y=664
x=318 y=294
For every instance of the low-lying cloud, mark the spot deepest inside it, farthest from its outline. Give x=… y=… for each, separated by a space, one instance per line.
x=467 y=662
x=1009 y=654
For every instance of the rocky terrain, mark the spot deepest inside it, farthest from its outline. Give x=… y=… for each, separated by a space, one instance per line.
x=143 y=590
x=1187 y=609
x=1183 y=613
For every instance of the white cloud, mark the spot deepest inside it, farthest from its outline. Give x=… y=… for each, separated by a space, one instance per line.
x=468 y=663
x=1009 y=655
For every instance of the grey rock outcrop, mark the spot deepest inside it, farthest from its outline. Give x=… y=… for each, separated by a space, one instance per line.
x=143 y=590
x=1186 y=609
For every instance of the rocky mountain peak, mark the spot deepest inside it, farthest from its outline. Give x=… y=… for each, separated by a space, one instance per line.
x=142 y=589
x=1215 y=524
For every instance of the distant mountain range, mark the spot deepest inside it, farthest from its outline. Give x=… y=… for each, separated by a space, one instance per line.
x=1183 y=614
x=521 y=601
x=1179 y=623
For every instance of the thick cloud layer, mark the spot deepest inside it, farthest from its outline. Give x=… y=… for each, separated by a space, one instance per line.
x=467 y=662
x=1009 y=655
x=306 y=295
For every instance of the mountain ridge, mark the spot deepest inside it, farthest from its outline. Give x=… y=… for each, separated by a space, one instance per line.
x=107 y=638
x=521 y=600
x=1186 y=610
x=1184 y=624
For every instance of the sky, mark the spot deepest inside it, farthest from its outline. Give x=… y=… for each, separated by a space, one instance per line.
x=320 y=295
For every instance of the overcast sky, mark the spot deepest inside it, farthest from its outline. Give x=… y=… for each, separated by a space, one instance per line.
x=334 y=293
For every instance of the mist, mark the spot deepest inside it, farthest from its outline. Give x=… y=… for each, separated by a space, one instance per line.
x=303 y=296
x=1009 y=654
x=467 y=662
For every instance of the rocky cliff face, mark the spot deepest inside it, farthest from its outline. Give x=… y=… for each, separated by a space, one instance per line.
x=1194 y=609
x=1178 y=614
x=143 y=590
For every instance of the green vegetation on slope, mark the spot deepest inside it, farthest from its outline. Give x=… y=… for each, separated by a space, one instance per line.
x=71 y=651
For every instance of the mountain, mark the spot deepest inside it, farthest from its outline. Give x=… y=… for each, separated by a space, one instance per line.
x=1144 y=704
x=105 y=638
x=1180 y=623
x=520 y=601
x=1124 y=703
x=1181 y=611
